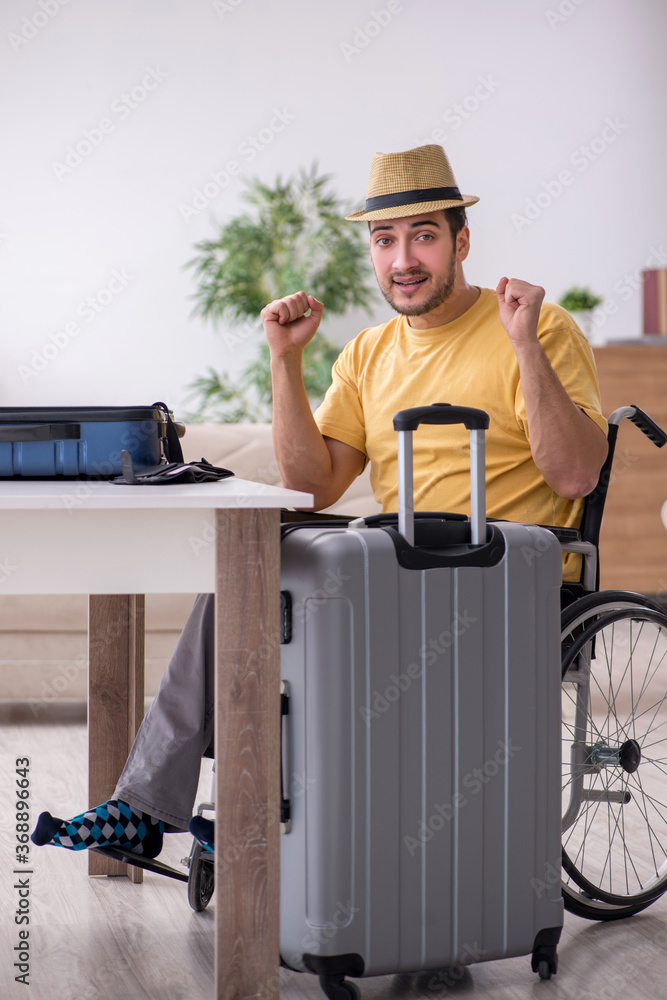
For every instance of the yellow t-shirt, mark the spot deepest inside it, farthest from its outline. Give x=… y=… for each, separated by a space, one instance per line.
x=468 y=362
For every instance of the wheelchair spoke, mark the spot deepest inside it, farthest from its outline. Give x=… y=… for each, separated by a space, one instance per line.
x=610 y=659
x=659 y=706
x=588 y=816
x=619 y=827
x=647 y=679
x=626 y=855
x=635 y=717
x=650 y=709
x=650 y=798
x=651 y=832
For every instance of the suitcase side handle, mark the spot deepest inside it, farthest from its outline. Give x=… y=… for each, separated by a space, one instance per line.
x=285 y=804
x=476 y=421
x=40 y=432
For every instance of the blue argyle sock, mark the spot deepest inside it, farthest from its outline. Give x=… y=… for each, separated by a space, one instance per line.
x=114 y=824
x=203 y=830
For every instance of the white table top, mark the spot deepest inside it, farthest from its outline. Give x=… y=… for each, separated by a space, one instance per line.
x=93 y=537
x=91 y=494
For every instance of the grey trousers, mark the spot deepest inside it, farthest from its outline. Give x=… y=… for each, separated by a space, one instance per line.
x=162 y=771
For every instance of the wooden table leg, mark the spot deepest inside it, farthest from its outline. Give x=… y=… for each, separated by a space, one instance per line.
x=115 y=701
x=247 y=752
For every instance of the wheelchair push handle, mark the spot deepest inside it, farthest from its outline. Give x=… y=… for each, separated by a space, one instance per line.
x=642 y=420
x=648 y=426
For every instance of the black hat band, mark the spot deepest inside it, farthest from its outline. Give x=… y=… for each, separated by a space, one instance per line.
x=412 y=198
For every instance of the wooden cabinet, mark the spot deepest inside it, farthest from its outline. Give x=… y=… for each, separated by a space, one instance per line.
x=633 y=543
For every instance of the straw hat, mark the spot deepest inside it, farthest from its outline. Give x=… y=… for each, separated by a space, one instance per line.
x=411 y=183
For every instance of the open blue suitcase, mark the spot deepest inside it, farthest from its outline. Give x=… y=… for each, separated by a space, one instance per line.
x=84 y=441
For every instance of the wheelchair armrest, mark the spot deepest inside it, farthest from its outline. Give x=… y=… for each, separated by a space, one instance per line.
x=564 y=535
x=572 y=541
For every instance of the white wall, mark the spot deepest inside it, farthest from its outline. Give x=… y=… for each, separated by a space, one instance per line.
x=514 y=90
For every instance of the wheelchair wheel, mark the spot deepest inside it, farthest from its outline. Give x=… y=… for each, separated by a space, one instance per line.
x=201 y=879
x=614 y=731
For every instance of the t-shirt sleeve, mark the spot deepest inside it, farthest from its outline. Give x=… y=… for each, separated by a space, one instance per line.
x=572 y=359
x=340 y=414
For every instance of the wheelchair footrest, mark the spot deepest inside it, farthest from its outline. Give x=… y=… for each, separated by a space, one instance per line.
x=150 y=864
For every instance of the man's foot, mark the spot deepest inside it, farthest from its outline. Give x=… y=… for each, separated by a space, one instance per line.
x=113 y=824
x=203 y=830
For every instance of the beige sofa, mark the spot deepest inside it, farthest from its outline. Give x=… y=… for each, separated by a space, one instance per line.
x=43 y=639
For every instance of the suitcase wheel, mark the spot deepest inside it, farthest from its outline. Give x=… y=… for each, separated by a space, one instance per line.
x=545 y=952
x=544 y=969
x=337 y=988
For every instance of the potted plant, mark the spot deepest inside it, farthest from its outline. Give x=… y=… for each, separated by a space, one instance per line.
x=580 y=303
x=293 y=238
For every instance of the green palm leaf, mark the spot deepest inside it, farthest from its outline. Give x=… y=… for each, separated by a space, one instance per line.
x=293 y=237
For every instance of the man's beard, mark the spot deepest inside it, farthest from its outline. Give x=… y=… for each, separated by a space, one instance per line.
x=440 y=293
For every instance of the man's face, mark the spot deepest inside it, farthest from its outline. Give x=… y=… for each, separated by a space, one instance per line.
x=415 y=262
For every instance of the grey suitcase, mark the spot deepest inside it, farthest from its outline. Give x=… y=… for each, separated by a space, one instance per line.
x=421 y=752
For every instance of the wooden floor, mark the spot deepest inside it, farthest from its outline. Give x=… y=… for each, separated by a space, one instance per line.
x=109 y=939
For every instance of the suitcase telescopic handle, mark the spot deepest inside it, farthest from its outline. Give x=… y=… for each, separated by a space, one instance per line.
x=441 y=413
x=476 y=421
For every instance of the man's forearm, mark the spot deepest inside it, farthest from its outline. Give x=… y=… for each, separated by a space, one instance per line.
x=301 y=453
x=567 y=446
x=307 y=461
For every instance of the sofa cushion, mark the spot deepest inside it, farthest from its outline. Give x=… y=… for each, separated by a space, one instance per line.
x=247 y=450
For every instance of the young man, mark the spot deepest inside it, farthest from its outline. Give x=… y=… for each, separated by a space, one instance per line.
x=526 y=363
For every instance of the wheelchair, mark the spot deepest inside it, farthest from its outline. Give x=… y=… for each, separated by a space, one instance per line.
x=614 y=729
x=614 y=735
